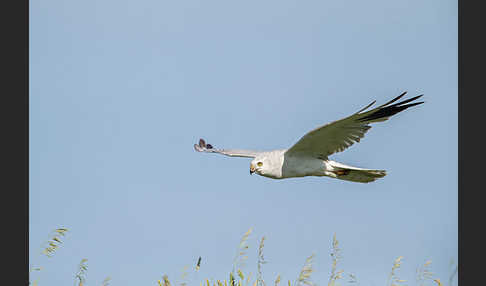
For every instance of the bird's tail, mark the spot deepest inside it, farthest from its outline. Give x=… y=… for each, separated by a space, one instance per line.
x=354 y=174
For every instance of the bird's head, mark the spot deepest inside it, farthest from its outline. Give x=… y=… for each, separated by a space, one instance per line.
x=257 y=165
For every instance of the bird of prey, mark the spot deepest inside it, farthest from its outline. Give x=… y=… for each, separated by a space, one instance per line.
x=309 y=156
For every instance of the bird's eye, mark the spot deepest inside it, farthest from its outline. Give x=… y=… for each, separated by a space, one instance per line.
x=259 y=164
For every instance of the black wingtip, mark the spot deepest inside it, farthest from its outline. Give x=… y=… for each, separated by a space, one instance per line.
x=395 y=99
x=367 y=106
x=408 y=100
x=389 y=110
x=202 y=143
x=411 y=104
x=202 y=146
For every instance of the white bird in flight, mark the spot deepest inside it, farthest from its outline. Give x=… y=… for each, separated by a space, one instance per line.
x=309 y=156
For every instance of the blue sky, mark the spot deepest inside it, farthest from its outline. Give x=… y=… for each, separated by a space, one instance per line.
x=121 y=90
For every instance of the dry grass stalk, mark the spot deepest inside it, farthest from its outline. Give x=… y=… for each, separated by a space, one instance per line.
x=352 y=279
x=106 y=282
x=305 y=273
x=393 y=280
x=82 y=272
x=232 y=281
x=423 y=273
x=277 y=280
x=241 y=275
x=453 y=274
x=184 y=275
x=261 y=261
x=198 y=264
x=53 y=244
x=240 y=256
x=336 y=256
x=34 y=269
x=165 y=280
x=248 y=279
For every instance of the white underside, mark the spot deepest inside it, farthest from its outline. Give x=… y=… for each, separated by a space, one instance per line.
x=277 y=165
x=354 y=174
x=304 y=166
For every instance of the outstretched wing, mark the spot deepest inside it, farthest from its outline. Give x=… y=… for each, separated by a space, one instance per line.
x=339 y=135
x=208 y=148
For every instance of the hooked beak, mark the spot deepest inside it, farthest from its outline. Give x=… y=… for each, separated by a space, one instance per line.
x=252 y=169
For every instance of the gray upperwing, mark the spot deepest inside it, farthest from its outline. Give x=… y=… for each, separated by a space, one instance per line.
x=208 y=148
x=340 y=134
